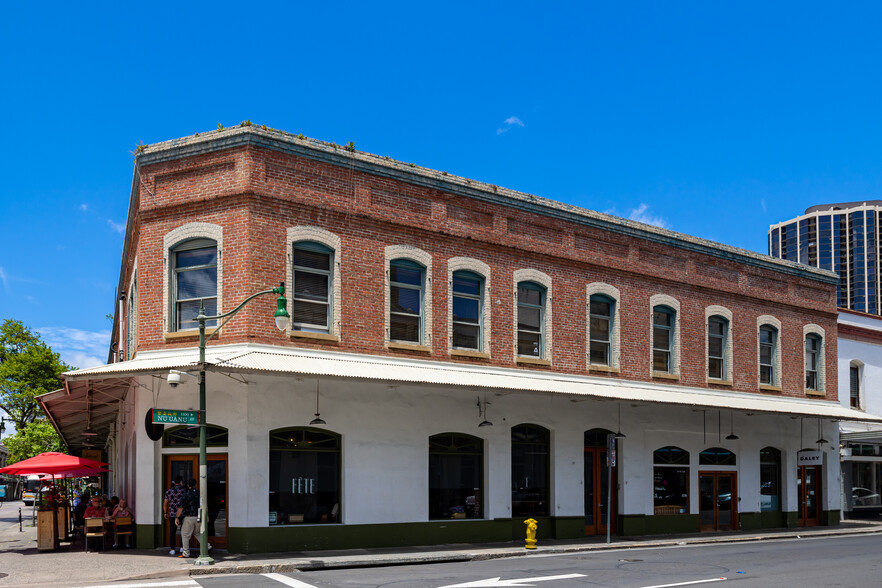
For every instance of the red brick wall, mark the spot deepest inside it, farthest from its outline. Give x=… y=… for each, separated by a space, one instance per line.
x=255 y=194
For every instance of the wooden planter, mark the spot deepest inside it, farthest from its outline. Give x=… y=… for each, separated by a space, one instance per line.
x=47 y=530
x=63 y=518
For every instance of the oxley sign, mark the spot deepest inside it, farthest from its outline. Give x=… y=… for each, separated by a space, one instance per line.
x=807 y=458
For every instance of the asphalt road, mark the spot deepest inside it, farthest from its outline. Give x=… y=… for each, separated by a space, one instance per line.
x=850 y=561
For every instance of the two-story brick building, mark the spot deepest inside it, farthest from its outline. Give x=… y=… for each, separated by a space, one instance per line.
x=459 y=355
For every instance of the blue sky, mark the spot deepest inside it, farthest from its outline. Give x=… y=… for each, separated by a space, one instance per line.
x=710 y=118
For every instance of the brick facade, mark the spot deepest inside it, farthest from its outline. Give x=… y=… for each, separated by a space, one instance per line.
x=371 y=207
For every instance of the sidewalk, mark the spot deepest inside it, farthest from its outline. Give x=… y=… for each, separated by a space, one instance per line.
x=22 y=565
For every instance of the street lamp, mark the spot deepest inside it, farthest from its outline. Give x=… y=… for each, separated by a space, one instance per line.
x=282 y=317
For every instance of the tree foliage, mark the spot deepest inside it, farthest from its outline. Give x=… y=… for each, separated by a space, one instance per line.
x=33 y=439
x=28 y=368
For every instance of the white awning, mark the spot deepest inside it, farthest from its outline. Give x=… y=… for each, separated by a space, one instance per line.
x=250 y=358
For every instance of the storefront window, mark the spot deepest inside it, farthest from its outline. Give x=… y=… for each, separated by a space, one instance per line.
x=862 y=481
x=455 y=472
x=770 y=476
x=716 y=456
x=184 y=436
x=304 y=471
x=529 y=470
x=671 y=481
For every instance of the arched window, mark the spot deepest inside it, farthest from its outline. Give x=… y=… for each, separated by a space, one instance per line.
x=456 y=463
x=813 y=361
x=717 y=341
x=768 y=353
x=670 y=480
x=770 y=479
x=304 y=476
x=531 y=319
x=716 y=456
x=530 y=476
x=601 y=309
x=311 y=289
x=468 y=305
x=184 y=436
x=663 y=340
x=194 y=281
x=406 y=288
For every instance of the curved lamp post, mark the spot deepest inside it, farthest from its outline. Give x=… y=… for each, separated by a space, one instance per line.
x=282 y=317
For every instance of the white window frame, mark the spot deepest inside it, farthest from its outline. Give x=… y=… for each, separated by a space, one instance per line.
x=818 y=331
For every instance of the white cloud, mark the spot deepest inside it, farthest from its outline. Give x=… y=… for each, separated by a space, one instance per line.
x=509 y=124
x=641 y=214
x=763 y=204
x=77 y=347
x=119 y=228
x=84 y=207
x=3 y=279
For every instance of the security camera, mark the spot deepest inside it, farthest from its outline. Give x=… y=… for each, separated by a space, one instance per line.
x=174 y=378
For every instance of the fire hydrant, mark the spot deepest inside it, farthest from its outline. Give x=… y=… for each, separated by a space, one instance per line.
x=531 y=533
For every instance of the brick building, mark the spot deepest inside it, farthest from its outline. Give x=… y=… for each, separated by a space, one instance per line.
x=458 y=359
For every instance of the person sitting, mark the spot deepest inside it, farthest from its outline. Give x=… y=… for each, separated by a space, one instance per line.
x=95 y=510
x=122 y=510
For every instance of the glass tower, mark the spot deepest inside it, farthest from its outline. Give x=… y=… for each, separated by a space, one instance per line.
x=843 y=238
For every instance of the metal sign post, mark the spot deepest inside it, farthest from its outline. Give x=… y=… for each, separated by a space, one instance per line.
x=610 y=464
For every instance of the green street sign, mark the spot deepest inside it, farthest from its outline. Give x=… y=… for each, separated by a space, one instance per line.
x=162 y=416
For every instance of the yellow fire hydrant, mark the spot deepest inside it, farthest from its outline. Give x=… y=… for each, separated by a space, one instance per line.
x=532 y=525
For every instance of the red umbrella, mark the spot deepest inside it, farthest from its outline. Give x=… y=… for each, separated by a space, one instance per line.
x=52 y=463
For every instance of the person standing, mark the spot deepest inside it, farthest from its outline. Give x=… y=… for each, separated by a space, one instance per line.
x=170 y=505
x=187 y=517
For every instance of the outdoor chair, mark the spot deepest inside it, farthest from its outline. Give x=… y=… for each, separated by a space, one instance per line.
x=95 y=528
x=123 y=527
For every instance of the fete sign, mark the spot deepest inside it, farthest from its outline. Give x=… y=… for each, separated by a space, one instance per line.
x=163 y=416
x=806 y=458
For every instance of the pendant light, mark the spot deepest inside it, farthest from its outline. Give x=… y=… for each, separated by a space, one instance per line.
x=821 y=440
x=485 y=422
x=732 y=436
x=619 y=434
x=318 y=419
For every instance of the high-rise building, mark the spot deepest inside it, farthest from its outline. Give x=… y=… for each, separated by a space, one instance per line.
x=844 y=238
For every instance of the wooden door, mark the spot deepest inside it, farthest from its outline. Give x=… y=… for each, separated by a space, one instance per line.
x=187 y=466
x=808 y=481
x=597 y=492
x=717 y=501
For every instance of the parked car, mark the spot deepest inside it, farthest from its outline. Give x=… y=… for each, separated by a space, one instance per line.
x=865 y=497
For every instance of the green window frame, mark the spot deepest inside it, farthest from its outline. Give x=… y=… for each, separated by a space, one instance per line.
x=194 y=280
x=717 y=341
x=312 y=287
x=813 y=347
x=717 y=456
x=531 y=301
x=768 y=342
x=601 y=311
x=407 y=281
x=468 y=305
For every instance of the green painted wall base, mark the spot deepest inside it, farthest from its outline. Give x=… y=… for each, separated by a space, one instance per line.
x=148 y=536
x=830 y=517
x=754 y=521
x=792 y=520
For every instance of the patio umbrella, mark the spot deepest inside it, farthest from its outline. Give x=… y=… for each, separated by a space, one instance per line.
x=52 y=463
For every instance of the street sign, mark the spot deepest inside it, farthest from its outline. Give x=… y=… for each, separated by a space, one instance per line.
x=164 y=416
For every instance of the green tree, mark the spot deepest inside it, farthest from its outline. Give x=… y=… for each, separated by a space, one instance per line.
x=32 y=439
x=28 y=368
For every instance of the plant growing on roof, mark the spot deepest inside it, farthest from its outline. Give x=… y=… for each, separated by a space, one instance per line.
x=220 y=127
x=350 y=147
x=245 y=123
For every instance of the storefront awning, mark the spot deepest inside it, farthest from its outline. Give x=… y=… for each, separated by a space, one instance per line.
x=250 y=358
x=85 y=404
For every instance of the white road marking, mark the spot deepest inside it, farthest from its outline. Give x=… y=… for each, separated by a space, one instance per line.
x=687 y=583
x=288 y=581
x=146 y=584
x=494 y=582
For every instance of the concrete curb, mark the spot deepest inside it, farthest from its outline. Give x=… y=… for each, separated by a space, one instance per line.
x=400 y=559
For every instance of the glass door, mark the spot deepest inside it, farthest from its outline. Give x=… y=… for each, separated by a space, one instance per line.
x=717 y=501
x=808 y=481
x=597 y=492
x=187 y=466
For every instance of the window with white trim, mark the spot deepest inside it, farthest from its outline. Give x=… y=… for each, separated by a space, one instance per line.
x=812 y=361
x=717 y=340
x=663 y=322
x=531 y=319
x=311 y=289
x=132 y=318
x=601 y=309
x=406 y=288
x=854 y=381
x=194 y=281
x=468 y=291
x=768 y=351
